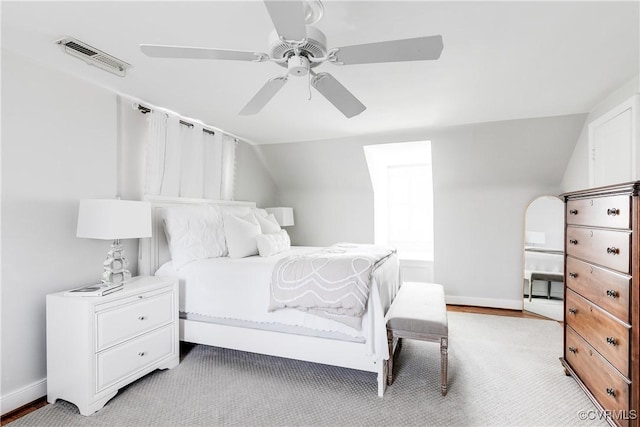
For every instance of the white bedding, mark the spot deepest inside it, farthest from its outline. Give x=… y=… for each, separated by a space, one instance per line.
x=238 y=289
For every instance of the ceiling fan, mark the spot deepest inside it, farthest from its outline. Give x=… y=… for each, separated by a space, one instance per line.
x=300 y=47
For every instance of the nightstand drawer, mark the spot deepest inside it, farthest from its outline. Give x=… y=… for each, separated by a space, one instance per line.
x=605 y=288
x=610 y=212
x=607 y=385
x=603 y=247
x=141 y=315
x=608 y=336
x=125 y=360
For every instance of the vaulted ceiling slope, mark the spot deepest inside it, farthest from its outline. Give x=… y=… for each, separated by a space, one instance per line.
x=501 y=60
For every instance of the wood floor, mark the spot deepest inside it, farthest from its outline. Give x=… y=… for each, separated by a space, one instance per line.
x=24 y=410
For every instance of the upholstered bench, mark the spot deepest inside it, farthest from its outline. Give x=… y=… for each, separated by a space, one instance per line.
x=419 y=312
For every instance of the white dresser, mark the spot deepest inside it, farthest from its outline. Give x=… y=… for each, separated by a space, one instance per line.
x=96 y=345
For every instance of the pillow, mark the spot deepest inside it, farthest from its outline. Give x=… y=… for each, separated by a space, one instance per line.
x=271 y=244
x=259 y=212
x=193 y=233
x=268 y=224
x=240 y=233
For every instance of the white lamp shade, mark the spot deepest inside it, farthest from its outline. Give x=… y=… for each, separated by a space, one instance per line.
x=284 y=216
x=112 y=219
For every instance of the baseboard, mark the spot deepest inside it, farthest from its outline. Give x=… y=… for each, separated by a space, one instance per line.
x=510 y=304
x=23 y=396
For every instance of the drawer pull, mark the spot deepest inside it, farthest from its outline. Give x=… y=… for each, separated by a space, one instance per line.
x=573 y=275
x=612 y=293
x=611 y=392
x=142 y=353
x=141 y=317
x=573 y=350
x=573 y=212
x=612 y=341
x=573 y=310
x=613 y=250
x=613 y=212
x=573 y=241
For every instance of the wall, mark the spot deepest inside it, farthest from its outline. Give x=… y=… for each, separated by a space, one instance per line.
x=253 y=181
x=485 y=176
x=59 y=145
x=576 y=176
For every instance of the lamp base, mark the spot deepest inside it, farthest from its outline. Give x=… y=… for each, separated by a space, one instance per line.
x=115 y=272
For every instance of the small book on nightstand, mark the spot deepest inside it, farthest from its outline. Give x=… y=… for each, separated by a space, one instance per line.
x=93 y=290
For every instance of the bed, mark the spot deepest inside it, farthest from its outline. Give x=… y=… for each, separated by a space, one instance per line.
x=218 y=312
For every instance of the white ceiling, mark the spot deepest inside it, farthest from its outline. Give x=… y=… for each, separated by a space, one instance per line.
x=501 y=60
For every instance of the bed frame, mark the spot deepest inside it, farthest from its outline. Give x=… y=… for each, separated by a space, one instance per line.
x=154 y=252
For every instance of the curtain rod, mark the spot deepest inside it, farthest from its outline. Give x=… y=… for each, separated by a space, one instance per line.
x=145 y=110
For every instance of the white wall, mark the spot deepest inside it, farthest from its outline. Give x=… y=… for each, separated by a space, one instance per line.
x=253 y=181
x=484 y=176
x=576 y=176
x=59 y=140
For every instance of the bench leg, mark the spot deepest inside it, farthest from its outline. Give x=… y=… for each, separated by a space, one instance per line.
x=390 y=361
x=444 y=362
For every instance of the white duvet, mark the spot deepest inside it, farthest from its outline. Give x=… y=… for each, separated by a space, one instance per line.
x=238 y=289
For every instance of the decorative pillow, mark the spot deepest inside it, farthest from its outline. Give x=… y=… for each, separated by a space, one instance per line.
x=259 y=212
x=268 y=224
x=194 y=233
x=240 y=233
x=271 y=244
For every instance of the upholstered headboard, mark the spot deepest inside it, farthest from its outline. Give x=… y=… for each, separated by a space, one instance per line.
x=154 y=251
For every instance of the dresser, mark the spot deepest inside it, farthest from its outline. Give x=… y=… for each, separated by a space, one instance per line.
x=98 y=344
x=602 y=299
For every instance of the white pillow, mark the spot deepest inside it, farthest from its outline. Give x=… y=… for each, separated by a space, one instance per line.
x=193 y=233
x=268 y=224
x=271 y=244
x=241 y=232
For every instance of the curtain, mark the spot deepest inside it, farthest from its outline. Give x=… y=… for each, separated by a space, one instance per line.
x=184 y=161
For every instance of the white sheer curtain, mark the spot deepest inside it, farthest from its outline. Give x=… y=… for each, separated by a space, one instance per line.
x=185 y=161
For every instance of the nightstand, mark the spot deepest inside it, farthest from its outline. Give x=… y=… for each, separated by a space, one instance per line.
x=97 y=345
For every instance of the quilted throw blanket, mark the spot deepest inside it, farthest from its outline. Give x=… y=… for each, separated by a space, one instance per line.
x=333 y=282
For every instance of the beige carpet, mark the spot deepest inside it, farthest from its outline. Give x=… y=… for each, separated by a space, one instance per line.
x=502 y=371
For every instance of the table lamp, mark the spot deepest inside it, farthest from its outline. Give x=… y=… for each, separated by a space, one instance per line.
x=114 y=219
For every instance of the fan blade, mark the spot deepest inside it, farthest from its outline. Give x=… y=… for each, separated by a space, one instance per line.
x=337 y=94
x=418 y=49
x=288 y=18
x=160 y=51
x=263 y=96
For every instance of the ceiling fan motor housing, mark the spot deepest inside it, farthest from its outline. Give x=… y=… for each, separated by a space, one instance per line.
x=314 y=47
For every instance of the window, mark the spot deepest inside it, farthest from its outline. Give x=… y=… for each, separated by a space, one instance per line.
x=403 y=197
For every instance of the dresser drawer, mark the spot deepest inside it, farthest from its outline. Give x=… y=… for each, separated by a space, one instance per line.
x=120 y=362
x=603 y=247
x=607 y=335
x=605 y=288
x=141 y=315
x=611 y=212
x=605 y=383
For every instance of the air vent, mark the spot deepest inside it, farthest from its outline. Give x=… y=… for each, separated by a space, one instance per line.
x=93 y=56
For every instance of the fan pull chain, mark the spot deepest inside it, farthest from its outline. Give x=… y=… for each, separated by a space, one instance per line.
x=309 y=79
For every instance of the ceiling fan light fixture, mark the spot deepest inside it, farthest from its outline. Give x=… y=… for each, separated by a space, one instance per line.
x=313 y=11
x=298 y=65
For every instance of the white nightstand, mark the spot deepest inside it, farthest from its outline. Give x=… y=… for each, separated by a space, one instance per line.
x=96 y=345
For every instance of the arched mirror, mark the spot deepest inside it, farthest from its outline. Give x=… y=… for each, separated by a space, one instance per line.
x=543 y=287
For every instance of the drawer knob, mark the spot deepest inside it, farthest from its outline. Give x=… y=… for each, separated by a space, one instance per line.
x=573 y=275
x=573 y=212
x=611 y=392
x=613 y=250
x=612 y=293
x=573 y=241
x=141 y=317
x=573 y=350
x=573 y=310
x=612 y=341
x=613 y=212
x=142 y=353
